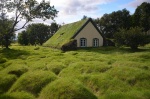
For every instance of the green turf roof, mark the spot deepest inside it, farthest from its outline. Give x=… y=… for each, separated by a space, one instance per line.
x=64 y=34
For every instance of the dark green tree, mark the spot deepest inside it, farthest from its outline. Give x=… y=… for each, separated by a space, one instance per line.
x=24 y=10
x=141 y=17
x=40 y=33
x=133 y=37
x=37 y=33
x=32 y=34
x=5 y=25
x=53 y=28
x=110 y=23
x=84 y=17
x=23 y=38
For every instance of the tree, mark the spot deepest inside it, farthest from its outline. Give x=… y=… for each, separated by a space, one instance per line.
x=24 y=10
x=84 y=17
x=37 y=33
x=5 y=25
x=132 y=37
x=141 y=17
x=23 y=38
x=54 y=27
x=110 y=23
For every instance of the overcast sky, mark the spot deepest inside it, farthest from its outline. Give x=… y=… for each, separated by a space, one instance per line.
x=73 y=10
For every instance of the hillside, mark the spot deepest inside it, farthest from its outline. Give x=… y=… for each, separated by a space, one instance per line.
x=28 y=72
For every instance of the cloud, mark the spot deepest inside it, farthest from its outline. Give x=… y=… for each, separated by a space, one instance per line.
x=71 y=7
x=73 y=10
x=136 y=3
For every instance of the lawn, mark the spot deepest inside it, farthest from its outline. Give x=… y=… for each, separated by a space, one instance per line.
x=29 y=72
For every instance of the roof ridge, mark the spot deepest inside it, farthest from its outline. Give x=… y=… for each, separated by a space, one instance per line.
x=77 y=21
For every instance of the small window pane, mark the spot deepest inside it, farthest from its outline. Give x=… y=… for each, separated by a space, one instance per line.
x=83 y=42
x=95 y=42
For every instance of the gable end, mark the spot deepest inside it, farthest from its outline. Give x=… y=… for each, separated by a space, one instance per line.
x=89 y=20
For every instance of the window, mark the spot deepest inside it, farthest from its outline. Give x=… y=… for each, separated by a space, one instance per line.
x=83 y=42
x=95 y=42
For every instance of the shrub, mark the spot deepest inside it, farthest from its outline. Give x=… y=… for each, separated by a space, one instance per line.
x=109 y=42
x=33 y=81
x=72 y=45
x=66 y=89
x=132 y=37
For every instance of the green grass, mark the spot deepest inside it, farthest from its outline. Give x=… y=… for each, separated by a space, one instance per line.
x=17 y=95
x=66 y=89
x=105 y=73
x=33 y=81
x=6 y=81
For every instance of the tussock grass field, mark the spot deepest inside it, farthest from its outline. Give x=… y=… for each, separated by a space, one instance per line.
x=28 y=72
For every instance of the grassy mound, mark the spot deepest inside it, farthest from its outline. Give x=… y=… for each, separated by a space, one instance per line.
x=134 y=94
x=55 y=67
x=119 y=83
x=3 y=60
x=80 y=68
x=6 y=82
x=131 y=75
x=33 y=82
x=15 y=68
x=106 y=72
x=66 y=89
x=17 y=95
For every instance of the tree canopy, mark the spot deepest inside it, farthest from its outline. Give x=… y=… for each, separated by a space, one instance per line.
x=26 y=10
x=37 y=33
x=110 y=23
x=141 y=17
x=132 y=37
x=5 y=25
x=122 y=26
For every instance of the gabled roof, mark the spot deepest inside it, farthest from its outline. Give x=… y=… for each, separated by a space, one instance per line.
x=67 y=32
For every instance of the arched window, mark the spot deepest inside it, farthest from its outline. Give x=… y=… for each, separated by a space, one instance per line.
x=83 y=42
x=95 y=42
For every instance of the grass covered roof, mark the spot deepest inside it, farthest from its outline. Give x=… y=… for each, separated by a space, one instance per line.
x=65 y=34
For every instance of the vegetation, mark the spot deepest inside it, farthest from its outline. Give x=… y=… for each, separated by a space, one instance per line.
x=37 y=33
x=30 y=72
x=17 y=95
x=23 y=38
x=5 y=26
x=133 y=37
x=110 y=23
x=33 y=82
x=66 y=89
x=141 y=17
x=27 y=10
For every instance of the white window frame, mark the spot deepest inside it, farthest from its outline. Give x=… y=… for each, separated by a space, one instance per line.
x=83 y=42
x=95 y=42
